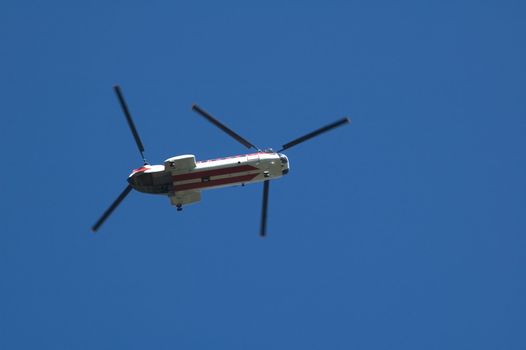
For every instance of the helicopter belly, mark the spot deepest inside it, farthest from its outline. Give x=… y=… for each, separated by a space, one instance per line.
x=232 y=171
x=215 y=178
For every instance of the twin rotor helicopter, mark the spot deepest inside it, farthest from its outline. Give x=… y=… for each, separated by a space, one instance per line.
x=182 y=178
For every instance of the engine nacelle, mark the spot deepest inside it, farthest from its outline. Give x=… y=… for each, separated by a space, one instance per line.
x=181 y=163
x=185 y=197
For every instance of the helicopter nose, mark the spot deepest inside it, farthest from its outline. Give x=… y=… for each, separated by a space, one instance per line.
x=140 y=179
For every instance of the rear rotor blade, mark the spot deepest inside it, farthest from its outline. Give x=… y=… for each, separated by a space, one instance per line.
x=263 y=228
x=112 y=207
x=223 y=127
x=315 y=133
x=124 y=107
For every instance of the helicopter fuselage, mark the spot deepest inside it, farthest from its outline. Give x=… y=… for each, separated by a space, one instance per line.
x=184 y=173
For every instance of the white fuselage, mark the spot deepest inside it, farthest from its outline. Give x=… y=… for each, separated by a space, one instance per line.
x=183 y=173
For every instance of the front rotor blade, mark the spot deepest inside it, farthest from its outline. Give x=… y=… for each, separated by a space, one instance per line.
x=263 y=229
x=315 y=133
x=223 y=127
x=130 y=121
x=111 y=208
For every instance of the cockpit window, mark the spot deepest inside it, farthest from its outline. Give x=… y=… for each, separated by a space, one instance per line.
x=145 y=179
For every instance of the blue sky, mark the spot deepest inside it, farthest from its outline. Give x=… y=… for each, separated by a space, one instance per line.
x=404 y=230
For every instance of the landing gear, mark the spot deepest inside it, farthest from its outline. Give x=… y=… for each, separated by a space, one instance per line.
x=179 y=207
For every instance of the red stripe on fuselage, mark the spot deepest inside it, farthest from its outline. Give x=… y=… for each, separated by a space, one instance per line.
x=143 y=168
x=214 y=172
x=212 y=183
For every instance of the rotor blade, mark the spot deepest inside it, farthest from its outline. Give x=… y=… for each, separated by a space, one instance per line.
x=263 y=229
x=130 y=121
x=315 y=133
x=223 y=127
x=111 y=208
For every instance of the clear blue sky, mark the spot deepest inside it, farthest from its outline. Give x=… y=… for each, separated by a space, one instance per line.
x=405 y=230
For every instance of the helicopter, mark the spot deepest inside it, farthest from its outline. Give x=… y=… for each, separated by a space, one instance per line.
x=182 y=178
